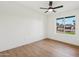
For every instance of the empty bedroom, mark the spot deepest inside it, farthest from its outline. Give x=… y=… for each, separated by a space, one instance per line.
x=39 y=28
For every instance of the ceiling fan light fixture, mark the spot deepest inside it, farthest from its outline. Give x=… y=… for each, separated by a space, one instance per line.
x=50 y=10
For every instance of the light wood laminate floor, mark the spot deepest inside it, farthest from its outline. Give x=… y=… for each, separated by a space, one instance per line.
x=43 y=48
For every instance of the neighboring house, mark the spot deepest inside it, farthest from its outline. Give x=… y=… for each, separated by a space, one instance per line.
x=66 y=28
x=69 y=28
x=60 y=28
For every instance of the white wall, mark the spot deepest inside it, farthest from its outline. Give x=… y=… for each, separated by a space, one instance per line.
x=19 y=25
x=72 y=39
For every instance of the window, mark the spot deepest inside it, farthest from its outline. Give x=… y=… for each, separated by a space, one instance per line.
x=66 y=25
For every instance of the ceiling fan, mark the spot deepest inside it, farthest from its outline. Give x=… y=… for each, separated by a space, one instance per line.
x=51 y=8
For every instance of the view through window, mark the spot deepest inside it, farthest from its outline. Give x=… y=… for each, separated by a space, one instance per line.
x=66 y=25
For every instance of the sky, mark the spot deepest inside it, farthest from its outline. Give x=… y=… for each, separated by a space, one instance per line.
x=66 y=21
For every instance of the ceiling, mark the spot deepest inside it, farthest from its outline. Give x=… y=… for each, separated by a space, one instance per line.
x=35 y=5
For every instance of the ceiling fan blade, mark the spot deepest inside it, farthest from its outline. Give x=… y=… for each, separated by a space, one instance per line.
x=58 y=7
x=50 y=3
x=45 y=11
x=54 y=11
x=43 y=8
